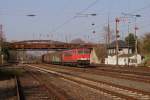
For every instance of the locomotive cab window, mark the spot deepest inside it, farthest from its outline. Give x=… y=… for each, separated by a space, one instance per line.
x=84 y=51
x=81 y=52
x=87 y=51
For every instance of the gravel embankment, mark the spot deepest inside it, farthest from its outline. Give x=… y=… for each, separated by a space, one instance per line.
x=7 y=89
x=124 y=82
x=76 y=91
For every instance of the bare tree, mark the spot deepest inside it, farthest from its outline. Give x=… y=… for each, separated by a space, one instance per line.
x=144 y=47
x=108 y=34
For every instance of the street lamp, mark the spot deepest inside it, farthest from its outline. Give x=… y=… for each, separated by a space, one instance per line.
x=128 y=41
x=136 y=38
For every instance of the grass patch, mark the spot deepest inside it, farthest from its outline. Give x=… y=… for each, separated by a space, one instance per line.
x=10 y=72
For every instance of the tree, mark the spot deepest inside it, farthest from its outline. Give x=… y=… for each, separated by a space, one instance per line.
x=101 y=52
x=108 y=34
x=5 y=51
x=145 y=48
x=3 y=48
x=146 y=43
x=130 y=40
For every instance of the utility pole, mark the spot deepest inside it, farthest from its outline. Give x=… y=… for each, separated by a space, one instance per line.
x=108 y=38
x=1 y=43
x=1 y=36
x=108 y=32
x=135 y=33
x=128 y=41
x=66 y=38
x=117 y=37
x=136 y=48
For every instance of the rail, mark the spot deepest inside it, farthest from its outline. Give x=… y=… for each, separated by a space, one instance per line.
x=19 y=91
x=114 y=90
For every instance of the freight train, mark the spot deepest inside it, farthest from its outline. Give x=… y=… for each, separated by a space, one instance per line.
x=75 y=57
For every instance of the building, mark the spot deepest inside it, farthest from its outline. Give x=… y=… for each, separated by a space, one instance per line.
x=126 y=55
x=98 y=54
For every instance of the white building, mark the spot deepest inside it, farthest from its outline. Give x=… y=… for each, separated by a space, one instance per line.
x=93 y=58
x=125 y=55
x=98 y=54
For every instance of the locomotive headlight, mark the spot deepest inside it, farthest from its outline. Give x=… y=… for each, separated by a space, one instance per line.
x=84 y=58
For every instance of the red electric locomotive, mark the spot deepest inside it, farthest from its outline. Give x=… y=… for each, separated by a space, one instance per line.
x=76 y=56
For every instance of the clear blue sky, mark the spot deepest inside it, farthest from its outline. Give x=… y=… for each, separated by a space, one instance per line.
x=51 y=14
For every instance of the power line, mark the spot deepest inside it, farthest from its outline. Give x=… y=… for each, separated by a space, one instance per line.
x=72 y=18
x=145 y=26
x=61 y=25
x=141 y=9
x=89 y=6
x=138 y=10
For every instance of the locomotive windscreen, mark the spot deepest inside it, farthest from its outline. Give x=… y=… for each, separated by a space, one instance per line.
x=83 y=51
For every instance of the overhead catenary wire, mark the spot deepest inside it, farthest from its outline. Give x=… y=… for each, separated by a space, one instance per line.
x=132 y=12
x=88 y=7
x=141 y=9
x=145 y=26
x=74 y=17
x=137 y=10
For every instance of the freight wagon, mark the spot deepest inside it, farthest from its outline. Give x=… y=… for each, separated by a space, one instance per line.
x=53 y=58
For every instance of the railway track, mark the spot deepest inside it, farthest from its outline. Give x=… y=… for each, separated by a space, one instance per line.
x=46 y=90
x=109 y=72
x=122 y=75
x=114 y=91
x=128 y=70
x=29 y=92
x=19 y=91
x=9 y=84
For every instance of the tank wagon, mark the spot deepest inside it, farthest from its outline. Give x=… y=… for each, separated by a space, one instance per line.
x=80 y=56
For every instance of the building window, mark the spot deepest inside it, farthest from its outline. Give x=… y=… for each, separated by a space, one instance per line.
x=120 y=49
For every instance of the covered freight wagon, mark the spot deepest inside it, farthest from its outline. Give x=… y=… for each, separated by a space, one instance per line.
x=53 y=58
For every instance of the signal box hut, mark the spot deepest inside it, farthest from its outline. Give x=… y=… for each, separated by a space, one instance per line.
x=126 y=55
x=98 y=54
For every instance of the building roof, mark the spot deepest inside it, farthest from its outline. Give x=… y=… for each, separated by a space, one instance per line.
x=121 y=44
